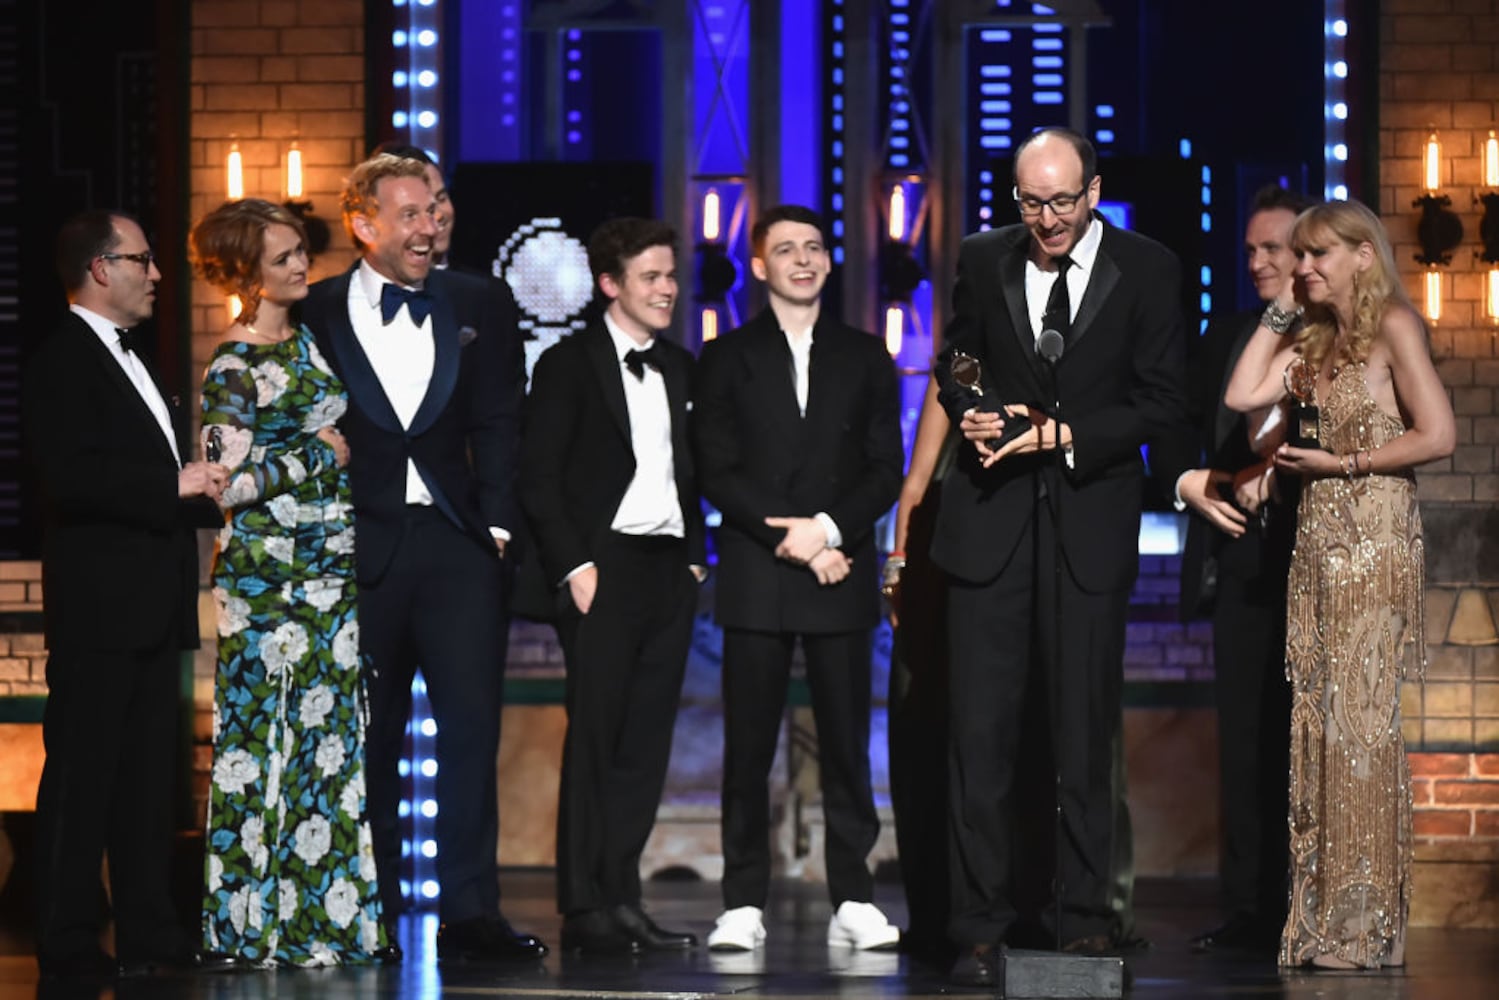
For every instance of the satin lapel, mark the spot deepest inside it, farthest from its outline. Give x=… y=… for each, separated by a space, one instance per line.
x=354 y=365
x=822 y=379
x=117 y=376
x=1100 y=283
x=1012 y=289
x=445 y=349
x=606 y=367
x=1228 y=418
x=674 y=374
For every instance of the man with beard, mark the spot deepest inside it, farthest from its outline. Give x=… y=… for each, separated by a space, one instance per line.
x=1112 y=298
x=432 y=363
x=798 y=443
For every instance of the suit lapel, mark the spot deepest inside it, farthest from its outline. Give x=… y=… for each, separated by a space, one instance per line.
x=1012 y=288
x=121 y=381
x=599 y=347
x=674 y=374
x=771 y=364
x=445 y=350
x=1100 y=283
x=353 y=364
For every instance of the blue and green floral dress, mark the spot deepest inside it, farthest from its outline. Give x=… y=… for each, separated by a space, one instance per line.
x=289 y=876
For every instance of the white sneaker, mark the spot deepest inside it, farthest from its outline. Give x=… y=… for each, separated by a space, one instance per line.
x=862 y=926
x=739 y=929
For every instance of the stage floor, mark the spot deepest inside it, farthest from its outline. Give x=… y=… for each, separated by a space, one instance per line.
x=1442 y=965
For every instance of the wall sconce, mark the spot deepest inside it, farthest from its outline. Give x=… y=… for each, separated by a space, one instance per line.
x=235 y=169
x=1488 y=226
x=1439 y=229
x=708 y=323
x=318 y=233
x=895 y=329
x=1433 y=283
x=717 y=272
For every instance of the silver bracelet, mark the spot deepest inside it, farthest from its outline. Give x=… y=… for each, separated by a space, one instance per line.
x=1276 y=319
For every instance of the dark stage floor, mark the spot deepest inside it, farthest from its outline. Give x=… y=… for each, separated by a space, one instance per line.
x=1443 y=965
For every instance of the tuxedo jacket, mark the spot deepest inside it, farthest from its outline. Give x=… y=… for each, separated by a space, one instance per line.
x=1121 y=384
x=465 y=436
x=577 y=458
x=119 y=552
x=1216 y=437
x=759 y=457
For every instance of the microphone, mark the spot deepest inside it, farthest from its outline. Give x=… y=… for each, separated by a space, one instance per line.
x=1050 y=346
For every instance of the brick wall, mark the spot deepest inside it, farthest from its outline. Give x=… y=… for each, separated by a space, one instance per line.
x=1439 y=69
x=23 y=656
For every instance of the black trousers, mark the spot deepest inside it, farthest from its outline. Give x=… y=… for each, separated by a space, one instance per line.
x=110 y=730
x=625 y=663
x=440 y=606
x=756 y=675
x=1254 y=720
x=1001 y=637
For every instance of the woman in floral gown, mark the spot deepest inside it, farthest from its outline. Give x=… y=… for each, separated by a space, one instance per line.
x=1354 y=623
x=289 y=873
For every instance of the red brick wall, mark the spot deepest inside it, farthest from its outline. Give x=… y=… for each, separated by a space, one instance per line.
x=1456 y=795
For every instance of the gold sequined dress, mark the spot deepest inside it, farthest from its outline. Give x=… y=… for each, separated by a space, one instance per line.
x=1354 y=632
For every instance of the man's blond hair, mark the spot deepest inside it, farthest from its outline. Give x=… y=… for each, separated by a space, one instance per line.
x=359 y=191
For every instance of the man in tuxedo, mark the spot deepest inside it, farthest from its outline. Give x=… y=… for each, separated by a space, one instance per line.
x=608 y=485
x=1234 y=567
x=1111 y=301
x=445 y=213
x=120 y=571
x=432 y=363
x=798 y=444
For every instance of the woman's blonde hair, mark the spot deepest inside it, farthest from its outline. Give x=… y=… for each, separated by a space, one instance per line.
x=227 y=243
x=1374 y=289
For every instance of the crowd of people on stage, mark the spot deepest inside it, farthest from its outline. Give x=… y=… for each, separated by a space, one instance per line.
x=376 y=467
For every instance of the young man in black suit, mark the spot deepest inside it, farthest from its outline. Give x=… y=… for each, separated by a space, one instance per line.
x=120 y=570
x=608 y=485
x=1114 y=299
x=1234 y=567
x=432 y=362
x=798 y=444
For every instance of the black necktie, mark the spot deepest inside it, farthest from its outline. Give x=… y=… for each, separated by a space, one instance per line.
x=637 y=360
x=130 y=341
x=392 y=297
x=1058 y=314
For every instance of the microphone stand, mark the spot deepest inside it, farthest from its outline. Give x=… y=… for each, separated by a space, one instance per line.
x=1058 y=974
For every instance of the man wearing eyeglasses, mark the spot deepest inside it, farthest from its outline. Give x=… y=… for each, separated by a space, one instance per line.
x=1110 y=300
x=120 y=570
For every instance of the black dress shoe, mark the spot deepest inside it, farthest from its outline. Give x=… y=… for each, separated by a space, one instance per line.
x=94 y=964
x=486 y=939
x=187 y=961
x=631 y=919
x=1242 y=932
x=596 y=932
x=391 y=954
x=978 y=966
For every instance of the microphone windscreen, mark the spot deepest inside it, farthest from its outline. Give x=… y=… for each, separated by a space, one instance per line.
x=1050 y=345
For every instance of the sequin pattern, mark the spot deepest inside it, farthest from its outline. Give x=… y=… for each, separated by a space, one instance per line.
x=1354 y=633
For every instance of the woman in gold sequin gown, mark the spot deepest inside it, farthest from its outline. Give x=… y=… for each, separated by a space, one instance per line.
x=1357 y=583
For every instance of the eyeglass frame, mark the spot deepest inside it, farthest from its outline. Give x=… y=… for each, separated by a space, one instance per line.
x=1043 y=204
x=145 y=258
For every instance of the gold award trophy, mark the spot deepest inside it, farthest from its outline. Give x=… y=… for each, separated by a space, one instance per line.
x=1305 y=429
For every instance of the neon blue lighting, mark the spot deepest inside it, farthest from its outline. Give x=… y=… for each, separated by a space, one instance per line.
x=1104 y=135
x=1104 y=111
x=1184 y=148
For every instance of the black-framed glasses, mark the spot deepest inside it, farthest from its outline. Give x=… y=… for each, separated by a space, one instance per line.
x=1060 y=204
x=145 y=258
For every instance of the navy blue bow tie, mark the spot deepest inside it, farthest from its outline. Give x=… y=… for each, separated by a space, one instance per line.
x=392 y=297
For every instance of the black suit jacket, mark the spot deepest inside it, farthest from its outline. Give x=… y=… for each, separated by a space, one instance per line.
x=1216 y=437
x=1121 y=385
x=759 y=457
x=119 y=554
x=465 y=436
x=577 y=460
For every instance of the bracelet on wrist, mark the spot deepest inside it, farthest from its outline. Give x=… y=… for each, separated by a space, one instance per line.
x=1278 y=320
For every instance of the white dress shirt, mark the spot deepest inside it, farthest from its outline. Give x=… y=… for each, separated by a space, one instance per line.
x=134 y=370
x=801 y=368
x=1038 y=282
x=651 y=504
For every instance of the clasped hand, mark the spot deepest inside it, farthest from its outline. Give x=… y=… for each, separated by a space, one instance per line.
x=983 y=426
x=806 y=543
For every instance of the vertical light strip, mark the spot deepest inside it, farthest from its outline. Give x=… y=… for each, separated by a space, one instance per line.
x=1335 y=100
x=417 y=78
x=898 y=150
x=837 y=40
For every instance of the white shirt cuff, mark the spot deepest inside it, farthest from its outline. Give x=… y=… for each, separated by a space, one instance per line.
x=1177 y=500
x=829 y=528
x=576 y=570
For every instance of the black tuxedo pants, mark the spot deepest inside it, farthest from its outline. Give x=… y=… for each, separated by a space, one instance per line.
x=111 y=732
x=1254 y=720
x=440 y=606
x=756 y=675
x=625 y=663
x=1001 y=638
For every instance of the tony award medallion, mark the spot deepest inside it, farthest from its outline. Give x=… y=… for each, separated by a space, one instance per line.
x=1305 y=430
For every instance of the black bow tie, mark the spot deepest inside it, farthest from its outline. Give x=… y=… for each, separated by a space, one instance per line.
x=392 y=297
x=130 y=341
x=637 y=360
